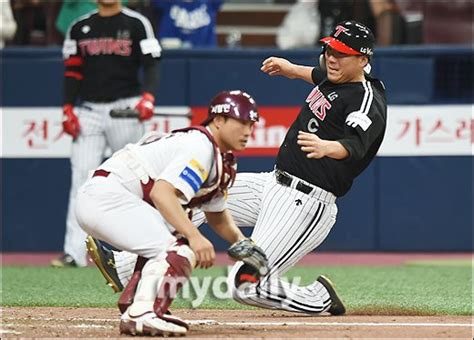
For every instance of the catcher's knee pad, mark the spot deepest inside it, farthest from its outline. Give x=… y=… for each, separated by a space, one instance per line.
x=180 y=261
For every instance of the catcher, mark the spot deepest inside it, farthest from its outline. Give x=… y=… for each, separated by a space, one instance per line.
x=137 y=201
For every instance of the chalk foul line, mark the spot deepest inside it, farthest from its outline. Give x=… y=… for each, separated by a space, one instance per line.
x=265 y=323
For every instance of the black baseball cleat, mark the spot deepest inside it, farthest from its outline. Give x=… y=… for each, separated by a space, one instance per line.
x=104 y=260
x=65 y=260
x=337 y=306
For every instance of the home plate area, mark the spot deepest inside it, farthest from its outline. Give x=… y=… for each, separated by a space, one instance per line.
x=103 y=323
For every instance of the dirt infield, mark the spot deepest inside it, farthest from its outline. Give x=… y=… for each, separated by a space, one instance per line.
x=103 y=323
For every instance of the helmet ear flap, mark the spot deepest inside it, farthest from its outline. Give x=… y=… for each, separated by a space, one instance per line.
x=322 y=58
x=322 y=61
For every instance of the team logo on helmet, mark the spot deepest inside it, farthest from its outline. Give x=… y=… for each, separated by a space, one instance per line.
x=234 y=104
x=253 y=115
x=352 y=38
x=339 y=29
x=220 y=108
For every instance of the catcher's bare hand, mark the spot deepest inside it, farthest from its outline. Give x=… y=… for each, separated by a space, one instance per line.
x=247 y=251
x=275 y=66
x=203 y=250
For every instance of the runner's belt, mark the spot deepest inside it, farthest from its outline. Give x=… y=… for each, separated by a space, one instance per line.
x=294 y=182
x=287 y=180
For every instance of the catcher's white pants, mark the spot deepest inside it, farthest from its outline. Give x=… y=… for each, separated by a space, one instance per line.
x=98 y=131
x=288 y=224
x=107 y=210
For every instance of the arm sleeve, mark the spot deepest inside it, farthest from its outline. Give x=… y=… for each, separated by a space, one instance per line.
x=151 y=76
x=364 y=124
x=73 y=63
x=150 y=53
x=318 y=75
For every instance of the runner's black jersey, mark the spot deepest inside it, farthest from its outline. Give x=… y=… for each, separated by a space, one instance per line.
x=354 y=114
x=105 y=54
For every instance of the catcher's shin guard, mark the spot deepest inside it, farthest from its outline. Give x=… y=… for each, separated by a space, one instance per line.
x=181 y=261
x=140 y=318
x=126 y=298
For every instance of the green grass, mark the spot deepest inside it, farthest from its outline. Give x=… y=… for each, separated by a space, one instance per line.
x=411 y=289
x=448 y=262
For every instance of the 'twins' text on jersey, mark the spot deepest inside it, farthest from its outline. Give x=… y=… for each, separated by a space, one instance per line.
x=353 y=114
x=105 y=54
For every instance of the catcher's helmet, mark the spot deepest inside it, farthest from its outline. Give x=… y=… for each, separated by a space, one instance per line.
x=351 y=37
x=235 y=104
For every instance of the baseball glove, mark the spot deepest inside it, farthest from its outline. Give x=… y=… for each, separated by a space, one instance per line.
x=247 y=251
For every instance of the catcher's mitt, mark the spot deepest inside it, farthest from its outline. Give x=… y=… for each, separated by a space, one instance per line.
x=247 y=251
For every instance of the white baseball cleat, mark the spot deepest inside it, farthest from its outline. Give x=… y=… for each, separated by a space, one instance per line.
x=149 y=324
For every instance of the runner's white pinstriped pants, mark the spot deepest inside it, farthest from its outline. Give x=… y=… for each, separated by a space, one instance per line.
x=98 y=131
x=288 y=224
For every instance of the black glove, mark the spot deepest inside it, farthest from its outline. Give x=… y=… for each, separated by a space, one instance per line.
x=247 y=251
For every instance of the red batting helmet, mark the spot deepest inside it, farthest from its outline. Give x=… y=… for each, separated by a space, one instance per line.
x=351 y=37
x=235 y=104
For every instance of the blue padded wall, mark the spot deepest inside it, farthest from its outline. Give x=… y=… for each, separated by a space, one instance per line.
x=399 y=203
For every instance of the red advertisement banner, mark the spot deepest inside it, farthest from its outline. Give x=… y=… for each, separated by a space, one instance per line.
x=269 y=132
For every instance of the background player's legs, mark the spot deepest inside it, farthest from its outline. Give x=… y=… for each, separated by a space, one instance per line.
x=289 y=226
x=86 y=154
x=121 y=131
